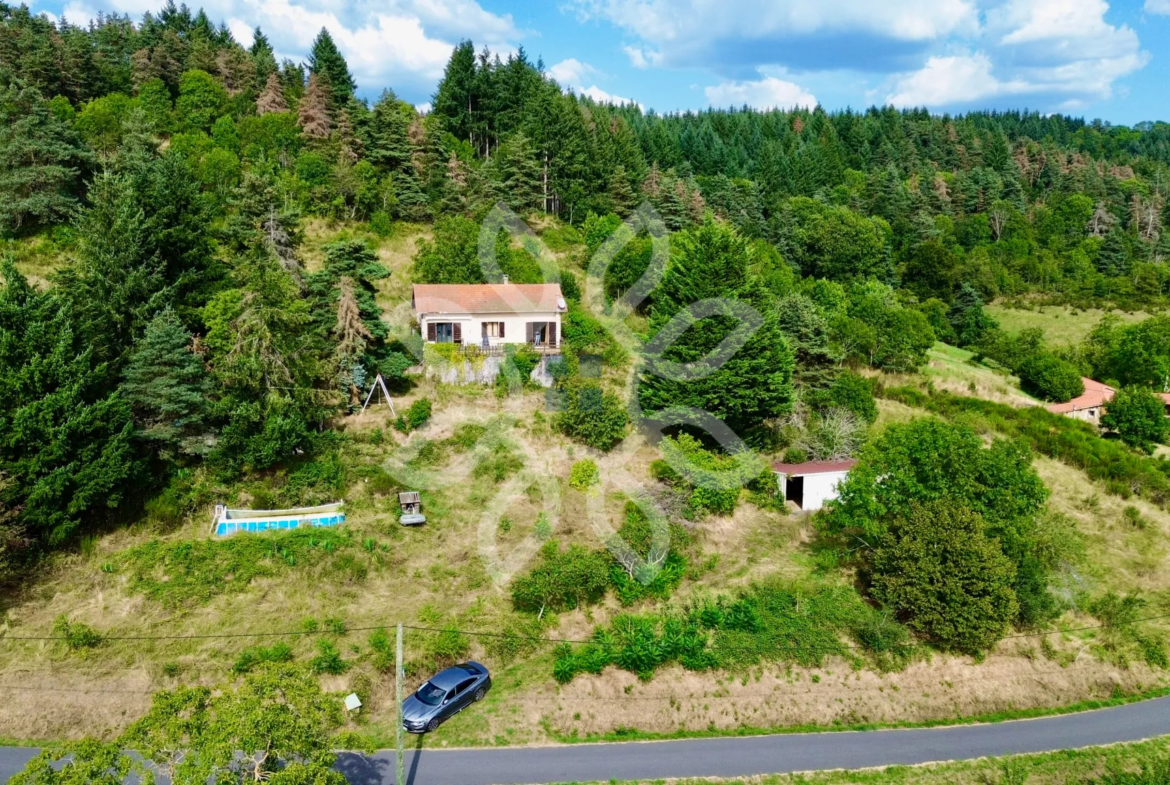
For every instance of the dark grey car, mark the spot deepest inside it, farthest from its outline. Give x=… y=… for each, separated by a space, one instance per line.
x=445 y=695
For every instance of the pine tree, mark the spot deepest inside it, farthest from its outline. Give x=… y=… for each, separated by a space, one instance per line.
x=387 y=135
x=967 y=317
x=271 y=98
x=712 y=262
x=313 y=112
x=41 y=161
x=1113 y=258
x=455 y=101
x=621 y=196
x=325 y=59
x=167 y=387
x=519 y=174
x=263 y=56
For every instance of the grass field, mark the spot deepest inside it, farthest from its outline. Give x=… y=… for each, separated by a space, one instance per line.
x=1060 y=323
x=955 y=370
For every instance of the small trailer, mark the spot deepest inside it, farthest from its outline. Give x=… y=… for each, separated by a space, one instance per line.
x=411 y=509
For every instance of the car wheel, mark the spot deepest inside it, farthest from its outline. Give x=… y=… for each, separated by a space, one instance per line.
x=433 y=725
x=479 y=694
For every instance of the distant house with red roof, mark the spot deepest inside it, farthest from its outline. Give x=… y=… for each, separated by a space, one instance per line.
x=1166 y=400
x=490 y=315
x=812 y=483
x=1089 y=406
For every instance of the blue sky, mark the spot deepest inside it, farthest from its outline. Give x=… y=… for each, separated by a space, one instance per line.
x=1089 y=58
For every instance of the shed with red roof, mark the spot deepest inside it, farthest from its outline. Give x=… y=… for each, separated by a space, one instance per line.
x=812 y=483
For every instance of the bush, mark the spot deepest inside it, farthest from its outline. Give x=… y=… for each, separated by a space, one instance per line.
x=854 y=393
x=596 y=418
x=256 y=655
x=415 y=417
x=938 y=572
x=584 y=475
x=328 y=660
x=561 y=580
x=77 y=636
x=381 y=225
x=1047 y=376
x=715 y=479
x=1139 y=417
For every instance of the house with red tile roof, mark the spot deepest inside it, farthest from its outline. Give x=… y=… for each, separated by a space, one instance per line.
x=1166 y=400
x=488 y=316
x=1088 y=406
x=812 y=483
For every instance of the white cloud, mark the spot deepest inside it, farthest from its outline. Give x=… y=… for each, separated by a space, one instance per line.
x=644 y=58
x=571 y=71
x=947 y=80
x=1057 y=52
x=424 y=108
x=602 y=97
x=661 y=21
x=939 y=53
x=766 y=93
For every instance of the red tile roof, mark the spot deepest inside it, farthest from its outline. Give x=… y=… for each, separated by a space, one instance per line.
x=814 y=467
x=1096 y=394
x=488 y=298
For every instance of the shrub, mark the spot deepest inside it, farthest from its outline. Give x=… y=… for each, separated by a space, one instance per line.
x=584 y=475
x=328 y=660
x=381 y=225
x=591 y=416
x=561 y=580
x=1139 y=417
x=715 y=479
x=415 y=417
x=1049 y=377
x=937 y=570
x=77 y=636
x=251 y=657
x=854 y=393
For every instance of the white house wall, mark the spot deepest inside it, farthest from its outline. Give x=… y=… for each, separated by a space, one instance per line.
x=821 y=488
x=515 y=326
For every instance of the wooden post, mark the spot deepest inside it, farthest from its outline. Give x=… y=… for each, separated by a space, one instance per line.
x=401 y=763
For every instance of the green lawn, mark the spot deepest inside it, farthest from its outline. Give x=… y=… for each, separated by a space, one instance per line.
x=1061 y=324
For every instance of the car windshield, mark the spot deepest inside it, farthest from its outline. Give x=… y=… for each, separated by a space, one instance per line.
x=430 y=694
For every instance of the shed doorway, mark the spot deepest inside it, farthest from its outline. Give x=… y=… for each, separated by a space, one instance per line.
x=794 y=491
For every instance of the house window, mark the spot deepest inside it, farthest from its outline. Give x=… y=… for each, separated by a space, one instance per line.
x=493 y=329
x=444 y=332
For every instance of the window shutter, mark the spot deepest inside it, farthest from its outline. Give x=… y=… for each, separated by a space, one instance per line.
x=431 y=332
x=528 y=331
x=458 y=329
x=501 y=329
x=552 y=334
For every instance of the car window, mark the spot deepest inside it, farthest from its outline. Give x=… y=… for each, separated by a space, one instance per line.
x=430 y=694
x=463 y=685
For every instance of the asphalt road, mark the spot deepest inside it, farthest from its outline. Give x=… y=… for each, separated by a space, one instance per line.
x=740 y=756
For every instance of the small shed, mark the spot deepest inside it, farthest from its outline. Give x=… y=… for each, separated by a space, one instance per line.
x=812 y=483
x=411 y=505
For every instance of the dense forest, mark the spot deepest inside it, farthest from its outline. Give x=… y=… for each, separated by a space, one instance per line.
x=174 y=168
